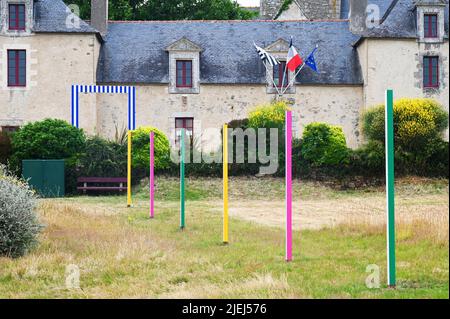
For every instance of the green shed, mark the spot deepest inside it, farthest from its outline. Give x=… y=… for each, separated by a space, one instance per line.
x=45 y=176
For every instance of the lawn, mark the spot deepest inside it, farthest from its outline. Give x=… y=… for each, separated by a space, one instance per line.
x=122 y=254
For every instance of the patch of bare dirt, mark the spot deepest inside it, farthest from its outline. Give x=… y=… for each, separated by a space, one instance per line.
x=321 y=213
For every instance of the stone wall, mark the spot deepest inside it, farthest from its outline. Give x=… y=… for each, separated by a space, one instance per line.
x=54 y=63
x=320 y=9
x=301 y=9
x=218 y=104
x=269 y=8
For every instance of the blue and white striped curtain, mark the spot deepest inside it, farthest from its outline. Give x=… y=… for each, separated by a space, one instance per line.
x=130 y=90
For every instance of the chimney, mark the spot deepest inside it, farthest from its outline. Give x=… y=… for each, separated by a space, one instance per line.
x=358 y=15
x=99 y=15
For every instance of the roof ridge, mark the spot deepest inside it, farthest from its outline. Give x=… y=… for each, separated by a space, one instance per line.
x=225 y=21
x=388 y=11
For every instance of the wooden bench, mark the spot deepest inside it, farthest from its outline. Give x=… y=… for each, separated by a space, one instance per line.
x=105 y=184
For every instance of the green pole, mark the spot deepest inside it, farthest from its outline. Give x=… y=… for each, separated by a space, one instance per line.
x=182 y=203
x=390 y=187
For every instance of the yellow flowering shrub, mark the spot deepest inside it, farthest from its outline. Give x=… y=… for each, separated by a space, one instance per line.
x=268 y=116
x=416 y=122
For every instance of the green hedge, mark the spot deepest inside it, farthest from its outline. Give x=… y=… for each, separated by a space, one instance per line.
x=324 y=144
x=47 y=139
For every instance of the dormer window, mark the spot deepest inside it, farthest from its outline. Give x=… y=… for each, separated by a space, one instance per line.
x=184 y=67
x=17 y=17
x=279 y=76
x=430 y=25
x=430 y=21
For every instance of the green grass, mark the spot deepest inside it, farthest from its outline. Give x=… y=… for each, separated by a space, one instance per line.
x=168 y=189
x=121 y=253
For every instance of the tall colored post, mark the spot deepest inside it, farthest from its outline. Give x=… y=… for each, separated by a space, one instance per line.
x=129 y=170
x=225 y=183
x=182 y=198
x=152 y=175
x=390 y=188
x=288 y=143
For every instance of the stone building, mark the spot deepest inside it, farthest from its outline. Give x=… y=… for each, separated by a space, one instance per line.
x=201 y=74
x=300 y=9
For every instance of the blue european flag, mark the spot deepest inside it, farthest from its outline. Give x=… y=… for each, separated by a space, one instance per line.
x=311 y=61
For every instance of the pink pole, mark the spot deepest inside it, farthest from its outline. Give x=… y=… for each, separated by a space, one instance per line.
x=152 y=175
x=288 y=185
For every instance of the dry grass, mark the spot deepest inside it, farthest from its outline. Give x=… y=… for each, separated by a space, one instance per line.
x=122 y=254
x=427 y=226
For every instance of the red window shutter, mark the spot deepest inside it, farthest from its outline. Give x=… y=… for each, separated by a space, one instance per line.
x=431 y=72
x=17 y=63
x=430 y=26
x=186 y=123
x=184 y=73
x=17 y=17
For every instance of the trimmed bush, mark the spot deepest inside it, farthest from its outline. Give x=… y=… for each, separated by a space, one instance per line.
x=416 y=123
x=47 y=139
x=324 y=144
x=141 y=149
x=19 y=224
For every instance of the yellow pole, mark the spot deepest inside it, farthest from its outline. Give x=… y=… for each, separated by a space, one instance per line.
x=225 y=184
x=129 y=171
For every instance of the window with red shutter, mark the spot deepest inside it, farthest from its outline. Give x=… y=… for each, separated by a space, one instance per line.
x=16 y=17
x=17 y=63
x=184 y=73
x=278 y=74
x=431 y=71
x=430 y=25
x=186 y=123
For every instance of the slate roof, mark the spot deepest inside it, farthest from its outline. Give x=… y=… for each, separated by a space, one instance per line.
x=382 y=4
x=133 y=52
x=51 y=15
x=400 y=21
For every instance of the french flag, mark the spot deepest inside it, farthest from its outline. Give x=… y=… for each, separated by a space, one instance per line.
x=294 y=59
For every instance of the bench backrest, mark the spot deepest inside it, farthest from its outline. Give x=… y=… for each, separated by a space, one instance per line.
x=102 y=180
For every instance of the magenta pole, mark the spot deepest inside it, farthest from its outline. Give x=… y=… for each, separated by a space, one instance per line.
x=152 y=175
x=288 y=185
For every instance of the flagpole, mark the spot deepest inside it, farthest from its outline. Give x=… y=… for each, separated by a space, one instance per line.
x=267 y=71
x=293 y=79
x=282 y=83
x=271 y=77
x=284 y=73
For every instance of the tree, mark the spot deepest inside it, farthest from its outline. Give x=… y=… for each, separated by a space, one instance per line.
x=169 y=10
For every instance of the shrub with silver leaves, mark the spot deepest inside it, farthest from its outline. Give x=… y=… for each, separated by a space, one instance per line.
x=19 y=223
